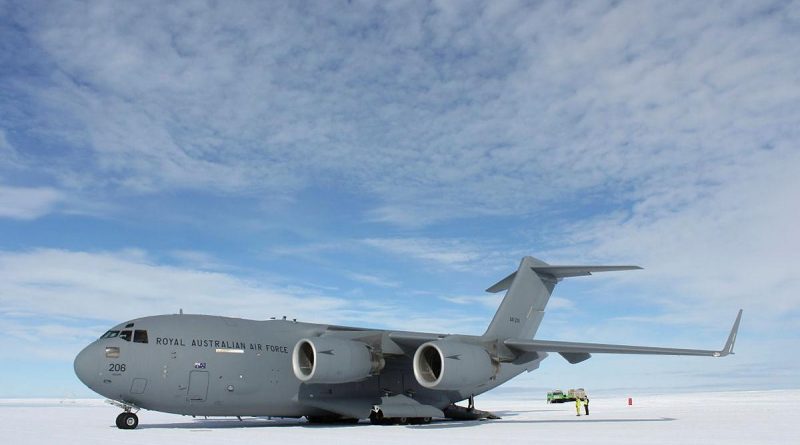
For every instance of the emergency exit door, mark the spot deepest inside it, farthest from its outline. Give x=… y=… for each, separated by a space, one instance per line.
x=198 y=386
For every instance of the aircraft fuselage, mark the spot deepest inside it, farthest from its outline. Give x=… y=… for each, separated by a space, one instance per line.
x=209 y=365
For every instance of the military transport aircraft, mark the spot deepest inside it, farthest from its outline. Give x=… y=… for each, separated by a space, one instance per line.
x=219 y=366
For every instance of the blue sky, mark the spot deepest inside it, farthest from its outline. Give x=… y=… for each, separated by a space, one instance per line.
x=382 y=163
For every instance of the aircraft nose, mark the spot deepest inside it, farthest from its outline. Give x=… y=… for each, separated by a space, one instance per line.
x=85 y=364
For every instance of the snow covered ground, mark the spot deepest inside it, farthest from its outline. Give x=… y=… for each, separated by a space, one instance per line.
x=700 y=418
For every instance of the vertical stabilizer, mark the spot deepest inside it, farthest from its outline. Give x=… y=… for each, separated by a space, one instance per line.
x=522 y=309
x=529 y=289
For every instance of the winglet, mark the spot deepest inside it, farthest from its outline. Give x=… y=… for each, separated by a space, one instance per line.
x=728 y=349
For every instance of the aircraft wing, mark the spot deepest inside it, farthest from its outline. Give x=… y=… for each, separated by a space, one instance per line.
x=401 y=337
x=414 y=338
x=389 y=342
x=581 y=351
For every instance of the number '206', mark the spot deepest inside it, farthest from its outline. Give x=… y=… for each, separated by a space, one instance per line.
x=116 y=367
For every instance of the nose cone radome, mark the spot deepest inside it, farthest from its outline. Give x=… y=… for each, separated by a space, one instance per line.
x=86 y=366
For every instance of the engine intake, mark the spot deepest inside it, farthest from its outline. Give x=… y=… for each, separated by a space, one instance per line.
x=333 y=360
x=451 y=365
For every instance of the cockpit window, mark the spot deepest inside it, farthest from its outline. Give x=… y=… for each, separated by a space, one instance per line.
x=129 y=325
x=139 y=336
x=110 y=334
x=125 y=335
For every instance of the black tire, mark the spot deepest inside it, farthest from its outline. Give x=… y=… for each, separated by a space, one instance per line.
x=402 y=420
x=377 y=418
x=132 y=421
x=127 y=421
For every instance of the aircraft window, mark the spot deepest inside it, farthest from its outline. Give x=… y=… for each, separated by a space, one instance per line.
x=129 y=325
x=110 y=334
x=112 y=352
x=139 y=336
x=125 y=335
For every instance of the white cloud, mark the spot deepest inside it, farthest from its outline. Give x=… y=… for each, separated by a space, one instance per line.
x=197 y=259
x=372 y=280
x=734 y=244
x=451 y=253
x=8 y=155
x=65 y=298
x=491 y=301
x=436 y=113
x=27 y=203
x=668 y=130
x=47 y=339
x=127 y=284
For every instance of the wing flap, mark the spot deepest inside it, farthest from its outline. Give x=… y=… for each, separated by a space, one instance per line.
x=413 y=339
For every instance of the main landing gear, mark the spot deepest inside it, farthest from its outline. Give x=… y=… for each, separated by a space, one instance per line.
x=127 y=420
x=469 y=412
x=377 y=418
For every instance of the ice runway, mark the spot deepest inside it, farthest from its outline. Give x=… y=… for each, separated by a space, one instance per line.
x=702 y=418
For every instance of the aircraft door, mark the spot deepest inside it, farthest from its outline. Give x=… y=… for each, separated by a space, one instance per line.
x=198 y=386
x=138 y=386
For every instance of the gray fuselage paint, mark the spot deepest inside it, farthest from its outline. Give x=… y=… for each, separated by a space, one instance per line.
x=258 y=381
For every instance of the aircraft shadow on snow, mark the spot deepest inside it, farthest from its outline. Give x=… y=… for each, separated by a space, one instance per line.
x=220 y=424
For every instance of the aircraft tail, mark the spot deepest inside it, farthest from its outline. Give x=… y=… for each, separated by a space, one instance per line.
x=529 y=289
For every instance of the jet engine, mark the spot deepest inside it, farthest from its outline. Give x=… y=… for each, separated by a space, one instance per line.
x=334 y=360
x=451 y=365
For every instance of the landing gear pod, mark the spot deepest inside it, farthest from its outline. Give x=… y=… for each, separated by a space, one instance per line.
x=451 y=365
x=332 y=360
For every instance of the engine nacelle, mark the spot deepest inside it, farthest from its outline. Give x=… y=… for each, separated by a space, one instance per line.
x=451 y=365
x=334 y=360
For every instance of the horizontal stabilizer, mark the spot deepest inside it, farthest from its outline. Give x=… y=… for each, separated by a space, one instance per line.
x=564 y=347
x=559 y=272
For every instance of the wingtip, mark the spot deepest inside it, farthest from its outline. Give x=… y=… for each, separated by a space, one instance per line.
x=728 y=349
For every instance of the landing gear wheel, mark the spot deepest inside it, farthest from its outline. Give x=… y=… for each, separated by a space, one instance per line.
x=419 y=420
x=376 y=418
x=402 y=420
x=127 y=421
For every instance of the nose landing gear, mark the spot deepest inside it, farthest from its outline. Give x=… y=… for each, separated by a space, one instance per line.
x=127 y=420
